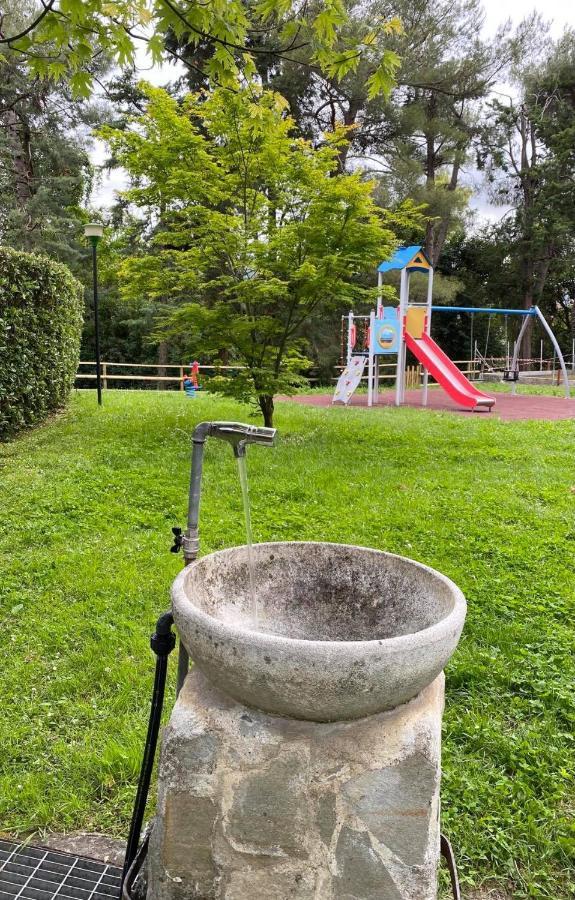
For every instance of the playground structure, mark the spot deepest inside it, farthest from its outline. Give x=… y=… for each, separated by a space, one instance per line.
x=394 y=330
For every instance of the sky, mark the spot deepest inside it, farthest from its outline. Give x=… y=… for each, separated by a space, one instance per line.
x=560 y=13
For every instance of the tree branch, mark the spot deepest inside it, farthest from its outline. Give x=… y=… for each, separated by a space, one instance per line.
x=224 y=43
x=17 y=37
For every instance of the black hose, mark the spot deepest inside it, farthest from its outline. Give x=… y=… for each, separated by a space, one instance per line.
x=447 y=852
x=183 y=668
x=162 y=643
x=134 y=869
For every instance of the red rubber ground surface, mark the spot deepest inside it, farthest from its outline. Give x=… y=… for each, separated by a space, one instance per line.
x=507 y=407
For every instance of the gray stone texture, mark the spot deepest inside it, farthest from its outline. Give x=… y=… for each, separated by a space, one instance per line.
x=391 y=800
x=338 y=633
x=86 y=843
x=361 y=873
x=269 y=813
x=257 y=807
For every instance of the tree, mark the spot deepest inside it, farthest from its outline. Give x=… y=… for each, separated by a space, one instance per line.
x=530 y=162
x=317 y=87
x=418 y=135
x=480 y=265
x=250 y=231
x=64 y=44
x=551 y=93
x=62 y=38
x=434 y=112
x=44 y=166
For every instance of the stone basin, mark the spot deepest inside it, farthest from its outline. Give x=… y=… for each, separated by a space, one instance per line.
x=342 y=632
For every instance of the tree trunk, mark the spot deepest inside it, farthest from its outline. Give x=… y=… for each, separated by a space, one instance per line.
x=18 y=140
x=528 y=181
x=266 y=402
x=535 y=285
x=541 y=273
x=437 y=230
x=429 y=172
x=525 y=349
x=162 y=360
x=527 y=267
x=349 y=119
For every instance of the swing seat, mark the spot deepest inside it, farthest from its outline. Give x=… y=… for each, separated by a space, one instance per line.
x=511 y=375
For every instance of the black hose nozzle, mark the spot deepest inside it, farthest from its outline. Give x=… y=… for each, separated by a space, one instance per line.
x=163 y=639
x=178 y=541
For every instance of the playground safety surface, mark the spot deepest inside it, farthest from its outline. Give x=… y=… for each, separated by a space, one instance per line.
x=507 y=406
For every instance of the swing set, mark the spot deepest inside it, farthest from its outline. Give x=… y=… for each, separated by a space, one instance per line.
x=511 y=371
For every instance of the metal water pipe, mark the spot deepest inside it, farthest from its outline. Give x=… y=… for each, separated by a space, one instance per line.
x=238 y=436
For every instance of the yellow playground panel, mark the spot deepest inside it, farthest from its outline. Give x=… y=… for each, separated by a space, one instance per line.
x=415 y=321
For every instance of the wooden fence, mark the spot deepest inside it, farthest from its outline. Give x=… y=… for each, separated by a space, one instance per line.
x=115 y=372
x=109 y=372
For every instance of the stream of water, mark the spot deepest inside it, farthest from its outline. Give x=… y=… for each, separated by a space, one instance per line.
x=243 y=472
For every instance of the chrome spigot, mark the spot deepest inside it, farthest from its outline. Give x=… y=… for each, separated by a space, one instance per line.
x=238 y=436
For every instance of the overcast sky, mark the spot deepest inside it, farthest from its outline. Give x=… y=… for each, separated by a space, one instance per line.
x=560 y=13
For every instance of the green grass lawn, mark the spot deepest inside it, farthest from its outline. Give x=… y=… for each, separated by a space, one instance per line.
x=88 y=502
x=541 y=390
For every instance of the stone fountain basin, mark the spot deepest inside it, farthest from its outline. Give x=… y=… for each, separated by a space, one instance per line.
x=342 y=632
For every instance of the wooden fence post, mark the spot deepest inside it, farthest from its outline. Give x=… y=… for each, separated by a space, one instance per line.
x=104 y=373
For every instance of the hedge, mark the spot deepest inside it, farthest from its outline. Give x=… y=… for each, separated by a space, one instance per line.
x=41 y=306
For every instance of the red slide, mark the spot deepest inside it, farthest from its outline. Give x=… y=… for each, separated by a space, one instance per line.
x=446 y=373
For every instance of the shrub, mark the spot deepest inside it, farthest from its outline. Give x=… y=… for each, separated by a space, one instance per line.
x=40 y=326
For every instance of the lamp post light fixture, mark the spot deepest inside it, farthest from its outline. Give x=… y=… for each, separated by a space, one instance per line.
x=94 y=231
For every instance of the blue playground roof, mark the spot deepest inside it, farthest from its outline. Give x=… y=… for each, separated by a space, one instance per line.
x=402 y=259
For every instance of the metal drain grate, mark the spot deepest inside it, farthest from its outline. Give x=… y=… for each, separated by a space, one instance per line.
x=35 y=873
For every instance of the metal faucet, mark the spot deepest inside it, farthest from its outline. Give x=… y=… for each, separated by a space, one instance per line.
x=238 y=436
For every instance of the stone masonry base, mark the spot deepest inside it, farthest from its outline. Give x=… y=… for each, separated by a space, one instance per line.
x=258 y=807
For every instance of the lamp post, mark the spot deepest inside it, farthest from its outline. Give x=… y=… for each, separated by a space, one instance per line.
x=94 y=231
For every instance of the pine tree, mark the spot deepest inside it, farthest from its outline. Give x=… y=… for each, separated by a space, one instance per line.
x=45 y=170
x=418 y=135
x=529 y=158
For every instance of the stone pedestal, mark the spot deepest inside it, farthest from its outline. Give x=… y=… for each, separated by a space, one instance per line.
x=258 y=807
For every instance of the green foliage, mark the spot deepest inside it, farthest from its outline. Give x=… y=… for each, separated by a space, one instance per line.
x=426 y=130
x=488 y=503
x=40 y=325
x=64 y=38
x=253 y=234
x=413 y=102
x=45 y=172
x=527 y=154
